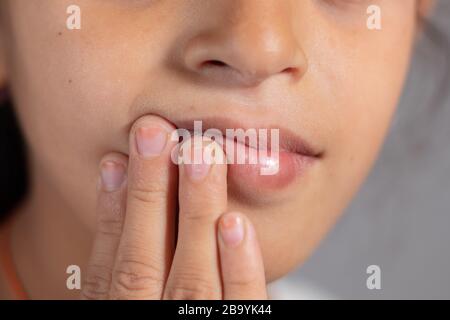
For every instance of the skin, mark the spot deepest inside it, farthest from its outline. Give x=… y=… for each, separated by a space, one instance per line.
x=81 y=95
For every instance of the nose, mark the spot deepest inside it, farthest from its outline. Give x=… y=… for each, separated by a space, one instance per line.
x=251 y=41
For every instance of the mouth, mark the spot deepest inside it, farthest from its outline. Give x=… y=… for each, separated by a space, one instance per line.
x=287 y=142
x=282 y=157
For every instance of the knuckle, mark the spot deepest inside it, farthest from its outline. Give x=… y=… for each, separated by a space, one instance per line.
x=209 y=193
x=199 y=208
x=96 y=284
x=187 y=287
x=110 y=227
x=199 y=216
x=150 y=193
x=133 y=277
x=242 y=282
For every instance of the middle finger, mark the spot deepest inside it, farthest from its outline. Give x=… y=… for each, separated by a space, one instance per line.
x=195 y=272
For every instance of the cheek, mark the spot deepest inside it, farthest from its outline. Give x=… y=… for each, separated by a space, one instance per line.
x=63 y=122
x=367 y=103
x=72 y=92
x=354 y=96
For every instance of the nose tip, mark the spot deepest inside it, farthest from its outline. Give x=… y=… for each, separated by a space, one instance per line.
x=246 y=53
x=248 y=63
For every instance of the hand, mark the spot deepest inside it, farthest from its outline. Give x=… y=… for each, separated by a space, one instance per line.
x=135 y=253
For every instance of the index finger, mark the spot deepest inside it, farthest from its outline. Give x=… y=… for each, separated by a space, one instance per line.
x=147 y=243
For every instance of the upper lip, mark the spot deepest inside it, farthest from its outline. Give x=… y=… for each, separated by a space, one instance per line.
x=288 y=141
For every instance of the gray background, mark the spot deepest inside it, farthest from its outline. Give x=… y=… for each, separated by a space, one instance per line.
x=400 y=220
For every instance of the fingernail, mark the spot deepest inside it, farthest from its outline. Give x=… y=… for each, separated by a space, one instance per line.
x=112 y=175
x=197 y=171
x=150 y=141
x=231 y=229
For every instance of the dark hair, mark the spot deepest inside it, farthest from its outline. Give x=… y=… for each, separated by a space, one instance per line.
x=13 y=165
x=13 y=172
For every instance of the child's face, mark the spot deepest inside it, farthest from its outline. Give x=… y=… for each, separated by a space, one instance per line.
x=309 y=66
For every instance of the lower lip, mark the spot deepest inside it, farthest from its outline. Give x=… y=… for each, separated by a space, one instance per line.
x=284 y=169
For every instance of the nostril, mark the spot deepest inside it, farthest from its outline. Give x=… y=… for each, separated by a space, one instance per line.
x=293 y=71
x=214 y=63
x=289 y=70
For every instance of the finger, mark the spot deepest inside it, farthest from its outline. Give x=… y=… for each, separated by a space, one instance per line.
x=147 y=243
x=195 y=272
x=241 y=261
x=110 y=216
